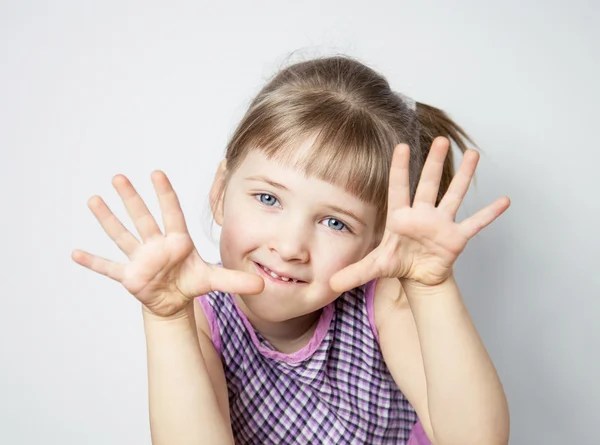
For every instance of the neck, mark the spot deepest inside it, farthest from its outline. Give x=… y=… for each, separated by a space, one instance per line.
x=287 y=336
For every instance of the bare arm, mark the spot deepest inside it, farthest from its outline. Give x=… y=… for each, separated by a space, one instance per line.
x=183 y=405
x=437 y=358
x=466 y=400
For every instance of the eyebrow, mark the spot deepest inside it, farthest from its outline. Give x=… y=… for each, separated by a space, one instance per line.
x=331 y=207
x=268 y=181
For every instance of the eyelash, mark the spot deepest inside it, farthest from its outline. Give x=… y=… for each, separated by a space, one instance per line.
x=346 y=226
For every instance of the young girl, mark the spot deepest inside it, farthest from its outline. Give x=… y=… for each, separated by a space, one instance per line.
x=335 y=316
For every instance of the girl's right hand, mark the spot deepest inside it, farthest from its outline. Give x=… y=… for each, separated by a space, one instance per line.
x=165 y=271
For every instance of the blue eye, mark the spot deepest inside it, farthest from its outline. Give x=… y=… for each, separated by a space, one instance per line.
x=335 y=224
x=266 y=199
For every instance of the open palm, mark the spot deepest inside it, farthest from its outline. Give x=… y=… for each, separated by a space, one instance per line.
x=421 y=242
x=165 y=271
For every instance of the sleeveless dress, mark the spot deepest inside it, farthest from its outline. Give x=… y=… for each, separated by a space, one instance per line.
x=335 y=390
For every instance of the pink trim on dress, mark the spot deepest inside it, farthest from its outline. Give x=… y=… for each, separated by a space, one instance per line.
x=418 y=436
x=307 y=351
x=212 y=324
x=370 y=300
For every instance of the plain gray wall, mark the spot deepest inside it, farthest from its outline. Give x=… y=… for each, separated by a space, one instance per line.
x=89 y=90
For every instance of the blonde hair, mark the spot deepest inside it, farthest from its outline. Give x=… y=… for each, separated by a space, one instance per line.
x=353 y=119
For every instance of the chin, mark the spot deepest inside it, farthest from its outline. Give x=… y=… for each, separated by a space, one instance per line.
x=272 y=307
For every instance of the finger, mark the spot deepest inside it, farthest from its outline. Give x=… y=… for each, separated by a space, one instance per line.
x=173 y=219
x=122 y=237
x=460 y=183
x=143 y=220
x=399 y=186
x=99 y=265
x=429 y=182
x=484 y=217
x=355 y=275
x=234 y=281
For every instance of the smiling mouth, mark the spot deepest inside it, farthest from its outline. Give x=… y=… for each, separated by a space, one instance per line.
x=278 y=278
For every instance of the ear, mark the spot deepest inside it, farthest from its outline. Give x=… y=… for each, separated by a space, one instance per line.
x=217 y=192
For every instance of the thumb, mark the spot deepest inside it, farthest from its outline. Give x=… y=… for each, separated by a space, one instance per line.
x=235 y=281
x=355 y=274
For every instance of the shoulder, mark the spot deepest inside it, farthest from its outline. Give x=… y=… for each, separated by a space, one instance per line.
x=390 y=306
x=393 y=318
x=211 y=311
x=388 y=296
x=203 y=323
x=400 y=346
x=200 y=316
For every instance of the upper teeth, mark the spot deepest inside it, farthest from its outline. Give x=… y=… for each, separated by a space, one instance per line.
x=277 y=277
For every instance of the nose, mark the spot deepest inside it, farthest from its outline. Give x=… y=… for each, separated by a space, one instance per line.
x=291 y=241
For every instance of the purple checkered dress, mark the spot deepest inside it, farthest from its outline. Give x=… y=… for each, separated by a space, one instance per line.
x=335 y=390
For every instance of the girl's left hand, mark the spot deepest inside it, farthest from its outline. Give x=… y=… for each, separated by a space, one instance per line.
x=421 y=242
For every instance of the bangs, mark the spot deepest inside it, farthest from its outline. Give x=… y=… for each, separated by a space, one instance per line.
x=325 y=136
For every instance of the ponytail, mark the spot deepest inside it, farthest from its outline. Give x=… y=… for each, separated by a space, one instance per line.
x=434 y=122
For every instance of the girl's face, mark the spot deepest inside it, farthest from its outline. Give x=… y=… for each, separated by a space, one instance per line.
x=292 y=230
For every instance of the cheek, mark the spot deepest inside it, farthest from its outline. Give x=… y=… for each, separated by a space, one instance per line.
x=332 y=259
x=240 y=233
x=232 y=239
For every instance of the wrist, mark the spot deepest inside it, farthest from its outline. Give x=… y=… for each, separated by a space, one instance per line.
x=182 y=314
x=421 y=296
x=170 y=328
x=418 y=288
x=443 y=299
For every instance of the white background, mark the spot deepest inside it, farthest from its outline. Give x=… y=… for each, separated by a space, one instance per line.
x=89 y=90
